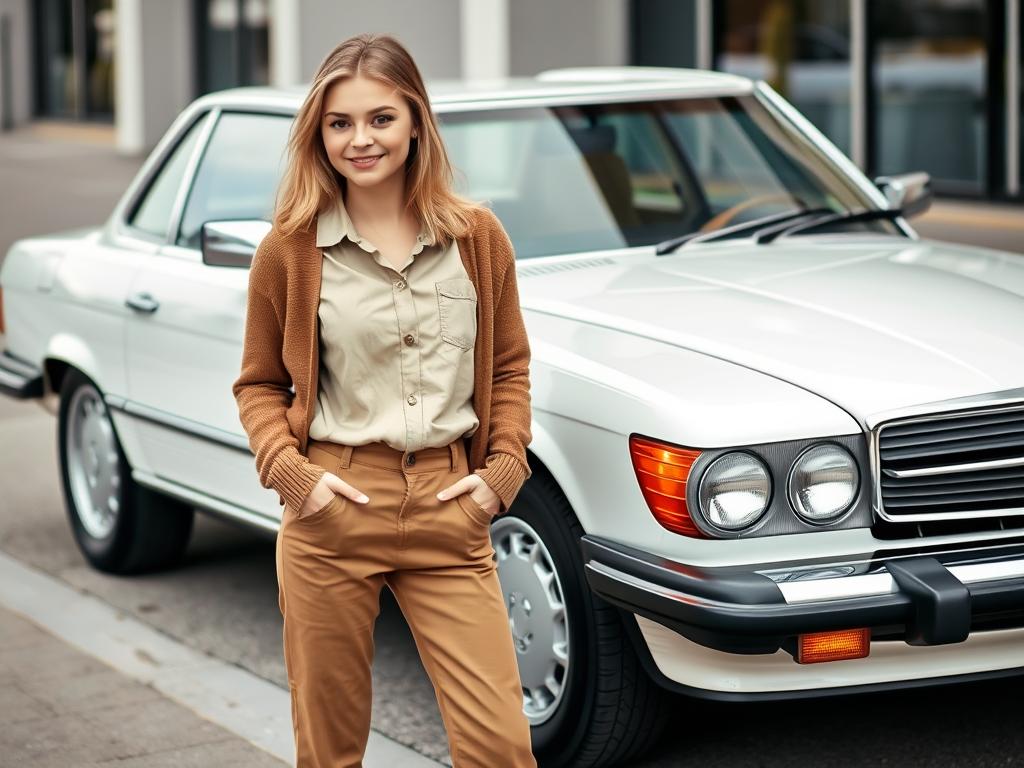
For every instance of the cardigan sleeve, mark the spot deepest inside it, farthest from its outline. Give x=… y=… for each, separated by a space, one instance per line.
x=505 y=467
x=263 y=393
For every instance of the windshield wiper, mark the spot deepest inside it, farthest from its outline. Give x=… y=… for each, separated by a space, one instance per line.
x=868 y=214
x=786 y=217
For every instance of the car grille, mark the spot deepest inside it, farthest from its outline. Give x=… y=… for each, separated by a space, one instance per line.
x=961 y=466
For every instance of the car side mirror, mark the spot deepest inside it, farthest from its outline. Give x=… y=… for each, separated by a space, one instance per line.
x=232 y=243
x=909 y=192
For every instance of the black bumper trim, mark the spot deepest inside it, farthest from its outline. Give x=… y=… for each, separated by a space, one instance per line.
x=19 y=379
x=741 y=611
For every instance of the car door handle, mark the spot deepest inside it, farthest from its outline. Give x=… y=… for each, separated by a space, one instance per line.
x=143 y=302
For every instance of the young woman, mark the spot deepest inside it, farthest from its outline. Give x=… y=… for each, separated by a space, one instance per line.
x=389 y=304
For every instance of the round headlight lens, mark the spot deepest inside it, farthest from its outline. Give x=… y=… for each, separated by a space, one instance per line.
x=823 y=483
x=734 y=491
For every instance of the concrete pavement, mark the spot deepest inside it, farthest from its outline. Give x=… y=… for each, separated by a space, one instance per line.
x=84 y=684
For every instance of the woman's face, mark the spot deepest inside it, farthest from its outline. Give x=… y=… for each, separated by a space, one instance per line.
x=364 y=118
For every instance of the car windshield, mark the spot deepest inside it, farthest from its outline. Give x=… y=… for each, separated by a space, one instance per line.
x=579 y=178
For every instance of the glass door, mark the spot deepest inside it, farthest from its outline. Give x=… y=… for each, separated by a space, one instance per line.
x=75 y=59
x=935 y=91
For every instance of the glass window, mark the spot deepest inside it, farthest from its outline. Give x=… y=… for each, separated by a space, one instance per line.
x=662 y=33
x=604 y=176
x=75 y=58
x=233 y=43
x=238 y=174
x=928 y=75
x=153 y=214
x=801 y=49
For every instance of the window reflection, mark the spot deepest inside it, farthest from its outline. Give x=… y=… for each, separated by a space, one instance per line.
x=929 y=80
x=234 y=43
x=75 y=58
x=802 y=49
x=604 y=176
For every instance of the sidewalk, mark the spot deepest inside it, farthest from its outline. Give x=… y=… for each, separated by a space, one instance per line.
x=61 y=707
x=83 y=684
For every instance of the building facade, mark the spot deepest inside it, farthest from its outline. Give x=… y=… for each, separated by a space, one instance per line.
x=899 y=85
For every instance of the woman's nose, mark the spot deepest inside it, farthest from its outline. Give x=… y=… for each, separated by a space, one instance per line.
x=362 y=137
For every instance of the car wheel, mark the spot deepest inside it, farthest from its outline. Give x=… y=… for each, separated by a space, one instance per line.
x=585 y=693
x=119 y=526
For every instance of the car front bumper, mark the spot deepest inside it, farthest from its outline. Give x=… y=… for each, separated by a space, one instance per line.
x=19 y=378
x=923 y=599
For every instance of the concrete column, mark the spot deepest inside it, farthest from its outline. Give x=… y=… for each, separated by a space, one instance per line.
x=285 y=51
x=154 y=73
x=128 y=82
x=485 y=35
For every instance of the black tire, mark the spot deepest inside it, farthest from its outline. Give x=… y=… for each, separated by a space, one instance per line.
x=149 y=531
x=611 y=710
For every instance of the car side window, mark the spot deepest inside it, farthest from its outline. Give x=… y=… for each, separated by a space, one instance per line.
x=153 y=214
x=238 y=174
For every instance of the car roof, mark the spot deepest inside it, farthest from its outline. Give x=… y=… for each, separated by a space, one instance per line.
x=557 y=85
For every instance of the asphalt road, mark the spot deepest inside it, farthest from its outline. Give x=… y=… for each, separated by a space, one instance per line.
x=223 y=598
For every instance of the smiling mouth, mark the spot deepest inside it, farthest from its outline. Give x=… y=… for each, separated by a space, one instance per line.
x=369 y=160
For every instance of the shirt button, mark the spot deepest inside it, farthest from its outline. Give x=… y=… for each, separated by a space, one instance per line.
x=411 y=399
x=410 y=339
x=399 y=284
x=410 y=459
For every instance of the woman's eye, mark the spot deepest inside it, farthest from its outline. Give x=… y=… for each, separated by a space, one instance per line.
x=337 y=123
x=386 y=118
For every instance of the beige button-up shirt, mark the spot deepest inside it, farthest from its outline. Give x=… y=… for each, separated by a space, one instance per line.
x=396 y=345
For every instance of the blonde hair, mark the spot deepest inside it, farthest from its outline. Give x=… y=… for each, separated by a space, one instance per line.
x=310 y=183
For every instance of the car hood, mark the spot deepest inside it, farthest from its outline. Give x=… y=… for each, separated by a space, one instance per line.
x=870 y=323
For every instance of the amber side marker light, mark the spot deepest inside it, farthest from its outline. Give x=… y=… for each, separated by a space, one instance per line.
x=662 y=471
x=833 y=646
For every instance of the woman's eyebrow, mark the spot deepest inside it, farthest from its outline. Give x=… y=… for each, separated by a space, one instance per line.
x=372 y=111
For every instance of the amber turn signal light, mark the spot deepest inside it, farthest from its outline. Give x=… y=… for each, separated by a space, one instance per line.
x=833 y=646
x=662 y=471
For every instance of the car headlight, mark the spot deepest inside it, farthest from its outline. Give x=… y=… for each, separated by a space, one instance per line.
x=823 y=482
x=734 y=491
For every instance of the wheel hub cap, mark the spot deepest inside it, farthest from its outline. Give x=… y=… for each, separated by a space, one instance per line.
x=92 y=461
x=536 y=614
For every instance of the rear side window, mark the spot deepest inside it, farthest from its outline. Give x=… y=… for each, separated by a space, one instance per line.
x=153 y=215
x=238 y=174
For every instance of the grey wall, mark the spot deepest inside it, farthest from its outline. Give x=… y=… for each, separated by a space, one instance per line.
x=18 y=57
x=544 y=34
x=430 y=30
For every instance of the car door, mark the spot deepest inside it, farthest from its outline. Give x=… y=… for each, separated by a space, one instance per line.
x=184 y=343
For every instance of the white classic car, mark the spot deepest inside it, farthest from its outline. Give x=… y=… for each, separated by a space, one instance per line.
x=778 y=438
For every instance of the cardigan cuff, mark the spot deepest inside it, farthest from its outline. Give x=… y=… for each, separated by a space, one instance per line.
x=293 y=476
x=505 y=475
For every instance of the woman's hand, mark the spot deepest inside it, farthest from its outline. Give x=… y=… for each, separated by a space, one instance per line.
x=485 y=497
x=325 y=490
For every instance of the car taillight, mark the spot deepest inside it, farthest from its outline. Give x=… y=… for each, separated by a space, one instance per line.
x=833 y=646
x=662 y=471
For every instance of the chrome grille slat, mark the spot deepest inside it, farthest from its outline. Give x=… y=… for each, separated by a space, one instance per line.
x=1013 y=485
x=956 y=448
x=1011 y=474
x=952 y=466
x=963 y=422
x=957 y=437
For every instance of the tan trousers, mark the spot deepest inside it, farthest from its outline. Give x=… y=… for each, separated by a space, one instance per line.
x=437 y=558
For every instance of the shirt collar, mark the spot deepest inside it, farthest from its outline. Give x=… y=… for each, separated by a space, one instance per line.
x=334 y=224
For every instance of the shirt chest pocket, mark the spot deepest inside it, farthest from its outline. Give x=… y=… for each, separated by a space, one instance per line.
x=456 y=304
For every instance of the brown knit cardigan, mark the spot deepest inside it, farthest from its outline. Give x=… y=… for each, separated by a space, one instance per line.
x=281 y=352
